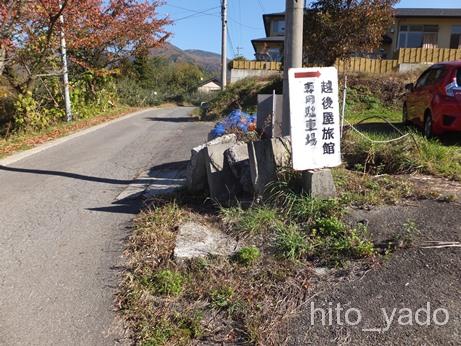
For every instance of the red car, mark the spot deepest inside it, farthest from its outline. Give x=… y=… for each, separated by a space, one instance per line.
x=434 y=102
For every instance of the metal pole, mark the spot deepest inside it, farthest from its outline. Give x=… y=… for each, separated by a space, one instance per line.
x=343 y=113
x=293 y=54
x=65 y=71
x=224 y=45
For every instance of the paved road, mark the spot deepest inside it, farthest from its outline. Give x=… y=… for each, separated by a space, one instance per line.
x=61 y=235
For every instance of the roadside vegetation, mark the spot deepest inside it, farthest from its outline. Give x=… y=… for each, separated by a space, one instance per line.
x=108 y=72
x=241 y=298
x=285 y=238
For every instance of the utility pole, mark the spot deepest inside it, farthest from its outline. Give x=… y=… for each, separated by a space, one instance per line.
x=239 y=49
x=293 y=52
x=224 y=45
x=65 y=71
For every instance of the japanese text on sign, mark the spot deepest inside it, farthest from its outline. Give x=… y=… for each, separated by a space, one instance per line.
x=314 y=118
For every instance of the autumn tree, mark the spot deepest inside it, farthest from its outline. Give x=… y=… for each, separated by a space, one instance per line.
x=340 y=28
x=98 y=32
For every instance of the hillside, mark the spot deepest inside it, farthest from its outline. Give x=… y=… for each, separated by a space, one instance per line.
x=209 y=61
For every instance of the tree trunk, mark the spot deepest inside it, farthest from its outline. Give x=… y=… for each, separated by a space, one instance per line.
x=2 y=59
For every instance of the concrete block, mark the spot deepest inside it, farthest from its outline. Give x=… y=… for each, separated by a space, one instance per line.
x=262 y=165
x=196 y=173
x=269 y=114
x=281 y=148
x=238 y=160
x=221 y=182
x=319 y=184
x=196 y=170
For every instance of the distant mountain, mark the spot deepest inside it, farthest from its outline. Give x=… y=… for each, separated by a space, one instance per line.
x=209 y=61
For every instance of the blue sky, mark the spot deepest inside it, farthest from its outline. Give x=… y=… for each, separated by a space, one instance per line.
x=193 y=30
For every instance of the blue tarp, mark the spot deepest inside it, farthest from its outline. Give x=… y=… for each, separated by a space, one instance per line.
x=235 y=120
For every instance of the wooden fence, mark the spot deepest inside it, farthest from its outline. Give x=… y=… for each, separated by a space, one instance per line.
x=256 y=65
x=352 y=65
x=377 y=66
x=428 y=55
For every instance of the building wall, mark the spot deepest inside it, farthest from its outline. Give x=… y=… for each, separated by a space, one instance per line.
x=444 y=35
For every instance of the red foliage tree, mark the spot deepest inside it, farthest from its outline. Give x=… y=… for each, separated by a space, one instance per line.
x=98 y=32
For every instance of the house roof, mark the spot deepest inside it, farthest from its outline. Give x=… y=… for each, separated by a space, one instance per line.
x=428 y=12
x=205 y=82
x=268 y=39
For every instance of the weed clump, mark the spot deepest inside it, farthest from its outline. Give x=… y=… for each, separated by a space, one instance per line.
x=247 y=255
x=167 y=282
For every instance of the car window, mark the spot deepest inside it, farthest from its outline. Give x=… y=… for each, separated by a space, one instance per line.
x=422 y=80
x=458 y=77
x=430 y=77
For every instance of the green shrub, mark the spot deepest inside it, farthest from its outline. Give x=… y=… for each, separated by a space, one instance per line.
x=247 y=255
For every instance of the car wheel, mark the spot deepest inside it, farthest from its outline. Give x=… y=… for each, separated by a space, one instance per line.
x=428 y=125
x=405 y=120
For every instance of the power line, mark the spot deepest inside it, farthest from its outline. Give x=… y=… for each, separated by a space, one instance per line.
x=262 y=6
x=231 y=43
x=244 y=25
x=198 y=13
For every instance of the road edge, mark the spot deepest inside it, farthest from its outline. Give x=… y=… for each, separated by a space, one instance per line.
x=42 y=147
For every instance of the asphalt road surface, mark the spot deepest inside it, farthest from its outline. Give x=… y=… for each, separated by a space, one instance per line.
x=62 y=234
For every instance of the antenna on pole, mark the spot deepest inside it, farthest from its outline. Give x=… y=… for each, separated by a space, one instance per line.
x=224 y=44
x=65 y=71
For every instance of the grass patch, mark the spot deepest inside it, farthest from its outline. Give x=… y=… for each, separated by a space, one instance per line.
x=166 y=282
x=291 y=242
x=247 y=255
x=414 y=154
x=253 y=221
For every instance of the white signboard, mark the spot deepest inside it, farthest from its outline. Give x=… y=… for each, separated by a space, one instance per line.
x=314 y=118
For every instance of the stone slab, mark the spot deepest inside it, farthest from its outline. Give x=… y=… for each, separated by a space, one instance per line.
x=196 y=240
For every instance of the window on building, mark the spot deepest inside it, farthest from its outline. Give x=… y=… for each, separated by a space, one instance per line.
x=455 y=41
x=418 y=36
x=278 y=27
x=275 y=54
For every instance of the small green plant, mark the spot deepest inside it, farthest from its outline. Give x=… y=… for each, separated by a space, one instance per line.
x=247 y=255
x=167 y=282
x=291 y=243
x=334 y=242
x=221 y=298
x=407 y=236
x=255 y=220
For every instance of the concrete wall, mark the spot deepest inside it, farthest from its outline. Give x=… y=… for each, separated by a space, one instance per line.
x=238 y=74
